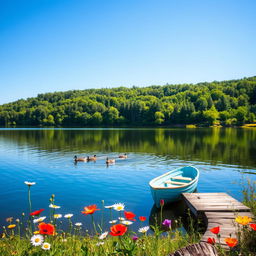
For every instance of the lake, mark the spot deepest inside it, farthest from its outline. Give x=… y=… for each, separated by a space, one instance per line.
x=224 y=157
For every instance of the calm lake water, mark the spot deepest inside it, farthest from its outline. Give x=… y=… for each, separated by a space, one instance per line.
x=45 y=156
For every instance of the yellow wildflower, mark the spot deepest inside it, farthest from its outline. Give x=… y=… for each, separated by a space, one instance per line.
x=11 y=226
x=243 y=220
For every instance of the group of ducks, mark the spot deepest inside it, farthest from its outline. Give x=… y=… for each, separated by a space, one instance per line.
x=94 y=158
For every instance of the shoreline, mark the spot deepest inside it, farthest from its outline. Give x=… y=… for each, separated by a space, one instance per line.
x=178 y=126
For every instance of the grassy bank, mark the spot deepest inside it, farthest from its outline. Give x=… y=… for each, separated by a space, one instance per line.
x=34 y=235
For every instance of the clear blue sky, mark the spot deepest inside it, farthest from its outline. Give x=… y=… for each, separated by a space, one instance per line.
x=59 y=45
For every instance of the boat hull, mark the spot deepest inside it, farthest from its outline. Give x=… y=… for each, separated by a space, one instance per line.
x=172 y=194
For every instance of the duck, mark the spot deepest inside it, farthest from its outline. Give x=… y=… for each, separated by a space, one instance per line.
x=80 y=159
x=123 y=156
x=91 y=158
x=110 y=161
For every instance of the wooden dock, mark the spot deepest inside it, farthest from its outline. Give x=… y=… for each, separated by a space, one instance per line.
x=217 y=209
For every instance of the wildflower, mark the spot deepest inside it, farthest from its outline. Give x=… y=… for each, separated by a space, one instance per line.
x=118 y=230
x=113 y=221
x=142 y=218
x=90 y=209
x=29 y=183
x=54 y=206
x=253 y=226
x=68 y=216
x=46 y=246
x=10 y=219
x=231 y=242
x=162 y=202
x=135 y=238
x=35 y=213
x=99 y=243
x=211 y=240
x=11 y=226
x=37 y=240
x=17 y=220
x=129 y=215
x=144 y=229
x=118 y=207
x=215 y=230
x=46 y=229
x=127 y=222
x=243 y=220
x=39 y=219
x=109 y=206
x=103 y=235
x=57 y=216
x=167 y=223
x=36 y=232
x=78 y=224
x=121 y=218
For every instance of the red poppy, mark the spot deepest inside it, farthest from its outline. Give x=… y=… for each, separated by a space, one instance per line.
x=46 y=229
x=35 y=213
x=231 y=242
x=253 y=226
x=211 y=240
x=90 y=209
x=118 y=230
x=215 y=230
x=162 y=202
x=129 y=215
x=142 y=218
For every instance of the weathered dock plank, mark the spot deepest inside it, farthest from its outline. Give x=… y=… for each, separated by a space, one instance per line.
x=217 y=209
x=213 y=202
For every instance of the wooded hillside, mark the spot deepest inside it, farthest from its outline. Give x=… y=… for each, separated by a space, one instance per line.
x=228 y=102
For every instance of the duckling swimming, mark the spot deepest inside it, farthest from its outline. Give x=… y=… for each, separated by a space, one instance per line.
x=110 y=161
x=80 y=159
x=124 y=156
x=91 y=158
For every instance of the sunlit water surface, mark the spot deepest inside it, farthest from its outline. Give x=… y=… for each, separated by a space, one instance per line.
x=45 y=156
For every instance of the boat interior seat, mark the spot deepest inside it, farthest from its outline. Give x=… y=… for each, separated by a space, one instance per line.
x=182 y=178
x=175 y=182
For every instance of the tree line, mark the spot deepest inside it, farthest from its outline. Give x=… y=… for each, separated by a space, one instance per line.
x=227 y=103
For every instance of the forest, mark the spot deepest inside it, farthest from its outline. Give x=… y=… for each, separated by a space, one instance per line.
x=226 y=103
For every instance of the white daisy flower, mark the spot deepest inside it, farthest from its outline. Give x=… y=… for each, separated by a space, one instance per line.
x=109 y=206
x=57 y=216
x=126 y=222
x=113 y=221
x=121 y=218
x=46 y=246
x=54 y=206
x=100 y=243
x=39 y=219
x=144 y=229
x=78 y=224
x=37 y=240
x=68 y=216
x=103 y=235
x=29 y=183
x=118 y=207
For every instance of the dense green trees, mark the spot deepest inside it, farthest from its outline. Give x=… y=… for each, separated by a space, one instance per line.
x=229 y=103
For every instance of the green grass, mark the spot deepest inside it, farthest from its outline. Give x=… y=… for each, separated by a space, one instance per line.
x=75 y=245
